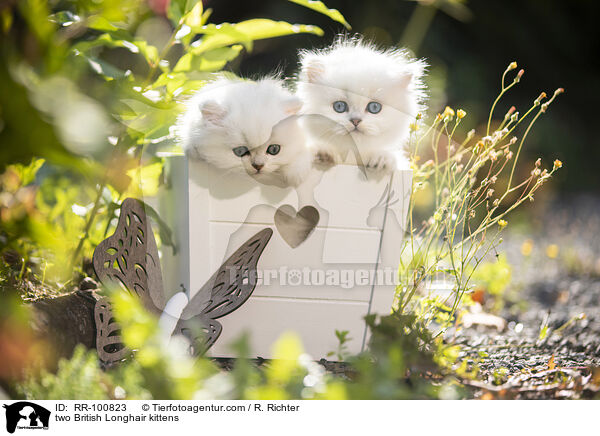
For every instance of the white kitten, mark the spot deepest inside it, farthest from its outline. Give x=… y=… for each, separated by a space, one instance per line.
x=369 y=97
x=239 y=125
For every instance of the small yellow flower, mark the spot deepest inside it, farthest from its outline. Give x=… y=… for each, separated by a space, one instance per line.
x=512 y=66
x=448 y=112
x=552 y=251
x=502 y=224
x=413 y=127
x=461 y=114
x=527 y=247
x=557 y=164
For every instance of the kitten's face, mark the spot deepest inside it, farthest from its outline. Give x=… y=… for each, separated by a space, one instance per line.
x=270 y=159
x=372 y=108
x=245 y=126
x=368 y=94
x=366 y=112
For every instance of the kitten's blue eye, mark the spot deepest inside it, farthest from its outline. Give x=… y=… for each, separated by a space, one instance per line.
x=241 y=151
x=374 y=107
x=273 y=149
x=340 y=106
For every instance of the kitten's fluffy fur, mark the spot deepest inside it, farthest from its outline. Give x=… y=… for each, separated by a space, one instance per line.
x=357 y=73
x=231 y=113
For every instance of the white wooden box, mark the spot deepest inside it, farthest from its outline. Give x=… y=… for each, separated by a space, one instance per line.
x=345 y=269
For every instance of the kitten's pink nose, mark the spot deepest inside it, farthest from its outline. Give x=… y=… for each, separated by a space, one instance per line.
x=355 y=121
x=257 y=166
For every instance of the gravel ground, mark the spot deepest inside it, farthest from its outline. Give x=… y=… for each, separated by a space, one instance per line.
x=556 y=285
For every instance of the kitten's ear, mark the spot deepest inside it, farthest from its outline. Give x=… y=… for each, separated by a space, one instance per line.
x=212 y=112
x=314 y=70
x=292 y=106
x=404 y=79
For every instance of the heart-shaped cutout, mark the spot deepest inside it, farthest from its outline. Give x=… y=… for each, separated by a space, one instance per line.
x=295 y=227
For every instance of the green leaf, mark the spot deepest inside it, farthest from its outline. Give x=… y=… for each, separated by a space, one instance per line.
x=98 y=22
x=247 y=31
x=195 y=17
x=149 y=52
x=27 y=172
x=319 y=6
x=221 y=35
x=177 y=9
x=213 y=60
x=261 y=28
x=151 y=121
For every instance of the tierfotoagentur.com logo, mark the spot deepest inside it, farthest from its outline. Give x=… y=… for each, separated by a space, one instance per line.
x=26 y=416
x=343 y=278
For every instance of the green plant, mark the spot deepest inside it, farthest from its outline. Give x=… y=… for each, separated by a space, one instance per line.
x=161 y=370
x=473 y=190
x=342 y=351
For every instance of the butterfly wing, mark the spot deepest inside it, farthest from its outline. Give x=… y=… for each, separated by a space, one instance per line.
x=129 y=258
x=229 y=287
x=109 y=343
x=201 y=331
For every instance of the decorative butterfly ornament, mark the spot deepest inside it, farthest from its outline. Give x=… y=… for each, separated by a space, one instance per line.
x=129 y=259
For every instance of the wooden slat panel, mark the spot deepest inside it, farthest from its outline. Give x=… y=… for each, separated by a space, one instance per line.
x=314 y=321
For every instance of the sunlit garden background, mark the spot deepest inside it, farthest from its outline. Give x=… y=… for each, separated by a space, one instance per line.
x=90 y=90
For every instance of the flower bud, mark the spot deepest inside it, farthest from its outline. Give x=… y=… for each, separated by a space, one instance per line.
x=557 y=164
x=538 y=100
x=519 y=75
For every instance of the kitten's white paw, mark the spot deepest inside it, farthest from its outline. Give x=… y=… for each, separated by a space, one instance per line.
x=381 y=162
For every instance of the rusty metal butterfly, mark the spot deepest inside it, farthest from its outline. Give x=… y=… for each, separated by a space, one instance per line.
x=129 y=259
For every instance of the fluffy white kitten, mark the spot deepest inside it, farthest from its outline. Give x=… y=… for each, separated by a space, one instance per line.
x=240 y=125
x=369 y=98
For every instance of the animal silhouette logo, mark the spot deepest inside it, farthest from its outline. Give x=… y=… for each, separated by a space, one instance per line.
x=26 y=415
